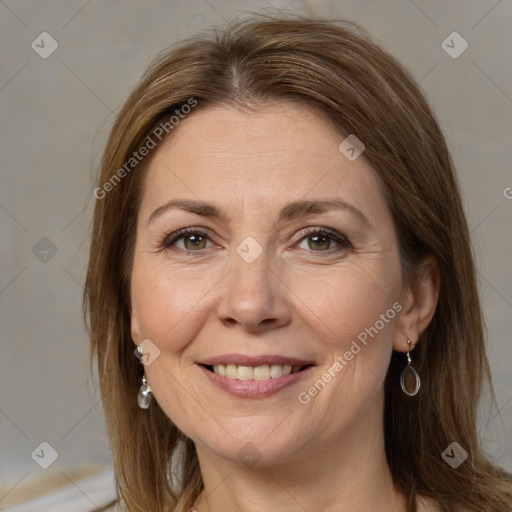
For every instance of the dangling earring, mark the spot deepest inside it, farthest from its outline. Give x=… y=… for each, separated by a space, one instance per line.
x=410 y=369
x=144 y=397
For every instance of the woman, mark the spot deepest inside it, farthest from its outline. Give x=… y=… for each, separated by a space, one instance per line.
x=279 y=239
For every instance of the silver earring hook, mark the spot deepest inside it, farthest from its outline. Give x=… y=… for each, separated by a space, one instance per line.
x=409 y=361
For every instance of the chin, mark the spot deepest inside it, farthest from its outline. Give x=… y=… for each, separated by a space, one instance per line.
x=262 y=440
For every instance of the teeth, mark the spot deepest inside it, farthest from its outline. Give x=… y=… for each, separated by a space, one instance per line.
x=220 y=371
x=276 y=371
x=263 y=372
x=231 y=371
x=245 y=373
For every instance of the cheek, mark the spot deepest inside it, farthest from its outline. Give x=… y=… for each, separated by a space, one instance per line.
x=353 y=310
x=165 y=302
x=343 y=302
x=355 y=316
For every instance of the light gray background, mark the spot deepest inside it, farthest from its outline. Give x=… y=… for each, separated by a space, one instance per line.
x=55 y=116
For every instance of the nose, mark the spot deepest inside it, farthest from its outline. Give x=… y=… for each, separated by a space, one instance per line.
x=253 y=295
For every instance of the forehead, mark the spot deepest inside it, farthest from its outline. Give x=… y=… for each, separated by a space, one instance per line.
x=284 y=152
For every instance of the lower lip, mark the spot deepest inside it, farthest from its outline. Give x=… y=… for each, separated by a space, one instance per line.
x=253 y=388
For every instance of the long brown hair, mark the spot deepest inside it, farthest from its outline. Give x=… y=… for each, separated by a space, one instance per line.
x=335 y=67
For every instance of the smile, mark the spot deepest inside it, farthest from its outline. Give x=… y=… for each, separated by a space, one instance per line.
x=262 y=372
x=253 y=376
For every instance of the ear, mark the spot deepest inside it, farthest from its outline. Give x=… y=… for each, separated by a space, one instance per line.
x=419 y=301
x=134 y=326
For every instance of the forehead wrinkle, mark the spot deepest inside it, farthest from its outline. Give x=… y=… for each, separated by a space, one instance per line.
x=290 y=211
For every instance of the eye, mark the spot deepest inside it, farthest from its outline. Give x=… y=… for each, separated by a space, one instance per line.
x=320 y=240
x=193 y=240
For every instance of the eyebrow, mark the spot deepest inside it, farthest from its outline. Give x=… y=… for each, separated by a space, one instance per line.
x=296 y=209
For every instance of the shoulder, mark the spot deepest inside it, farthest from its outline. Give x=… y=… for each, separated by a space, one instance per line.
x=428 y=505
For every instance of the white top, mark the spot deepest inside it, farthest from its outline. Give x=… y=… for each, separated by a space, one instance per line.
x=87 y=495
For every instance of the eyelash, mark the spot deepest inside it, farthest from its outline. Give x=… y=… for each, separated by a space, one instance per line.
x=169 y=240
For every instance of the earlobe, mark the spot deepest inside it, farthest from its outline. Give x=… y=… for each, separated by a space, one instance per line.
x=419 y=302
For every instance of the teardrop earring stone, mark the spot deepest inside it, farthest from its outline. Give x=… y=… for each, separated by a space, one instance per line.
x=144 y=396
x=409 y=372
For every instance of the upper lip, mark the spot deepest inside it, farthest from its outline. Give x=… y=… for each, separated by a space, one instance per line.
x=245 y=360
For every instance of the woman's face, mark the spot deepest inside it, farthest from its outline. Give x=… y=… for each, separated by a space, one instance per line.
x=265 y=279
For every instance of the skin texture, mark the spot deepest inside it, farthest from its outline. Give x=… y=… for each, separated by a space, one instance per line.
x=301 y=297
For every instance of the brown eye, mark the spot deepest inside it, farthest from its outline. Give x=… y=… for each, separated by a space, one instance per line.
x=322 y=240
x=193 y=240
x=196 y=241
x=319 y=242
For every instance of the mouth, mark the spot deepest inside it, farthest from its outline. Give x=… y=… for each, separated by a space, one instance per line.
x=254 y=376
x=260 y=372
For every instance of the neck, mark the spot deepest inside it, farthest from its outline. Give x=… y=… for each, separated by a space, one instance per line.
x=348 y=474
